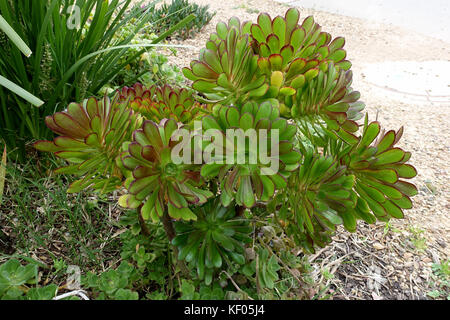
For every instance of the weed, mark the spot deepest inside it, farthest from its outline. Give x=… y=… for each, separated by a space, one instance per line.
x=417 y=239
x=441 y=280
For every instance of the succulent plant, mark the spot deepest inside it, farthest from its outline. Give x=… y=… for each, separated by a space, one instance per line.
x=270 y=59
x=158 y=103
x=157 y=184
x=299 y=51
x=363 y=180
x=226 y=71
x=380 y=168
x=320 y=198
x=246 y=180
x=280 y=136
x=168 y=15
x=330 y=99
x=136 y=91
x=91 y=137
x=217 y=237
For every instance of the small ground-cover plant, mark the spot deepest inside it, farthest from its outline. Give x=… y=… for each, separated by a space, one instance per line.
x=440 y=280
x=18 y=282
x=278 y=146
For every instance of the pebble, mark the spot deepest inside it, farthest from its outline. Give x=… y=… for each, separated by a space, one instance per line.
x=441 y=243
x=378 y=246
x=407 y=255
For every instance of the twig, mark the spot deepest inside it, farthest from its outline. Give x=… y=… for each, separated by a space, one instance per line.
x=236 y=285
x=170 y=232
x=314 y=257
x=283 y=263
x=258 y=286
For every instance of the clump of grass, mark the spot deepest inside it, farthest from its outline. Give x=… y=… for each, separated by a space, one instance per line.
x=42 y=221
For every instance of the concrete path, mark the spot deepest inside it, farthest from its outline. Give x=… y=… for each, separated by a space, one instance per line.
x=406 y=80
x=430 y=17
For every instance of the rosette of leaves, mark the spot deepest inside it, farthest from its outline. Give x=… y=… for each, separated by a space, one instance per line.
x=218 y=237
x=320 y=197
x=136 y=91
x=291 y=54
x=380 y=169
x=328 y=98
x=158 y=103
x=158 y=184
x=91 y=137
x=247 y=177
x=226 y=71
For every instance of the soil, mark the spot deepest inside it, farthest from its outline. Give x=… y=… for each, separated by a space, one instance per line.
x=378 y=261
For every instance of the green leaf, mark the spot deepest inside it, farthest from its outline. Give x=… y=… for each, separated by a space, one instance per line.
x=43 y=293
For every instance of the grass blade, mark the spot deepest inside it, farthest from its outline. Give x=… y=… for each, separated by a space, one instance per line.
x=2 y=174
x=20 y=92
x=14 y=37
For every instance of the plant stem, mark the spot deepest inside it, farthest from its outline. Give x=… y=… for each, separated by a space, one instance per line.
x=170 y=232
x=240 y=211
x=144 y=227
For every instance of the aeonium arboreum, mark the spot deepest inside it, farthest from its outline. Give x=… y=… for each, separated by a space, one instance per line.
x=165 y=102
x=217 y=237
x=380 y=169
x=253 y=154
x=288 y=80
x=157 y=185
x=91 y=137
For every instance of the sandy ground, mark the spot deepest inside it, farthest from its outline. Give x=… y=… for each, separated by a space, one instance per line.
x=426 y=135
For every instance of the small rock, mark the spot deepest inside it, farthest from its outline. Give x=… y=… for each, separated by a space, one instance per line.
x=376 y=297
x=407 y=255
x=426 y=260
x=436 y=257
x=378 y=246
x=441 y=243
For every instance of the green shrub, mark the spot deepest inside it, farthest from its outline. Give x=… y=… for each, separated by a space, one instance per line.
x=276 y=76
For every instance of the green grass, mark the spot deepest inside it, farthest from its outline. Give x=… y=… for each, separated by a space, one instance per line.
x=42 y=221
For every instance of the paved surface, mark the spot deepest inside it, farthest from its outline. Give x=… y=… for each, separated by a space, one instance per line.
x=430 y=17
x=408 y=81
